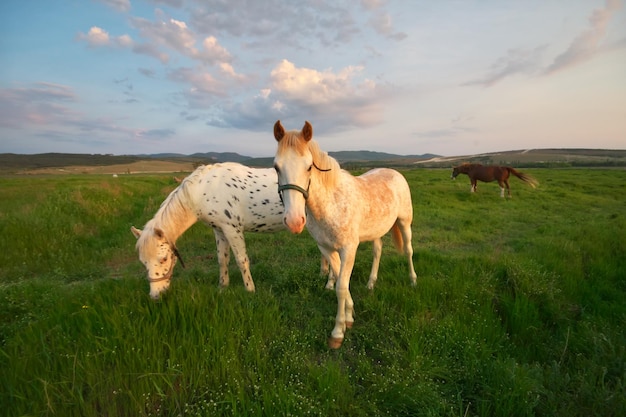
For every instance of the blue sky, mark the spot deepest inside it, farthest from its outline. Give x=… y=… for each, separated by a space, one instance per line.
x=407 y=77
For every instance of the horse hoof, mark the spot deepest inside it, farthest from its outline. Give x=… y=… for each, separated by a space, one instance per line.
x=349 y=324
x=334 y=342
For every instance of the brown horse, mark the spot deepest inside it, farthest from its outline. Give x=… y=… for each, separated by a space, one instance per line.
x=490 y=173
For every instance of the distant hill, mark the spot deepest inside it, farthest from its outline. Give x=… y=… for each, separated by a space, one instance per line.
x=537 y=158
x=53 y=160
x=10 y=161
x=353 y=160
x=199 y=156
x=352 y=156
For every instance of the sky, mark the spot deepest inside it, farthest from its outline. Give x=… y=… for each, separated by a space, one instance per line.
x=448 y=77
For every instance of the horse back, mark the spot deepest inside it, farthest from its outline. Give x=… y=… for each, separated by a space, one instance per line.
x=489 y=173
x=233 y=195
x=386 y=196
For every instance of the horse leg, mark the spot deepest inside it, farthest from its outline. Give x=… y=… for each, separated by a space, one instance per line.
x=326 y=271
x=238 y=245
x=223 y=256
x=501 y=184
x=474 y=185
x=508 y=188
x=345 y=305
x=332 y=258
x=324 y=266
x=377 y=248
x=407 y=236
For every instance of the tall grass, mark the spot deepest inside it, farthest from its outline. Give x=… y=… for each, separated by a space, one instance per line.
x=519 y=308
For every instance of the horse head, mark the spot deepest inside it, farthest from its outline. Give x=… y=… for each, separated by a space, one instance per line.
x=158 y=255
x=293 y=163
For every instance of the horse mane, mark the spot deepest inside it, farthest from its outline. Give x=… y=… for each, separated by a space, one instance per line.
x=174 y=211
x=328 y=168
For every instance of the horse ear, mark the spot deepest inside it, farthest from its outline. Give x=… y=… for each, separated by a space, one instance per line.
x=307 y=131
x=279 y=131
x=136 y=232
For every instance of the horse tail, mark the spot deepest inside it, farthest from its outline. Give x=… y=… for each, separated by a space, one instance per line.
x=396 y=236
x=524 y=177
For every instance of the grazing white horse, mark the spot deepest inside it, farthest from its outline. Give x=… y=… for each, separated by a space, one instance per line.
x=341 y=210
x=229 y=197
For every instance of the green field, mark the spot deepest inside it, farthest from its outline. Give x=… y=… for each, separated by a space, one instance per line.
x=519 y=310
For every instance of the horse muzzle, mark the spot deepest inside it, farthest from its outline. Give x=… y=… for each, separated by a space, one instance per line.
x=295 y=224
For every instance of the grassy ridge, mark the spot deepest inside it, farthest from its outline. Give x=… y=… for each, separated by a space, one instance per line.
x=519 y=308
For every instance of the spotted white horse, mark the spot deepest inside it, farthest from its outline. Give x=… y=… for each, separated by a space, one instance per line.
x=229 y=197
x=341 y=210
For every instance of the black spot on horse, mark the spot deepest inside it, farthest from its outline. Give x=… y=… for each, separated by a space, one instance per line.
x=227 y=213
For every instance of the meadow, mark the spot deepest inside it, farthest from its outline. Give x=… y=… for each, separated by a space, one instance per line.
x=519 y=309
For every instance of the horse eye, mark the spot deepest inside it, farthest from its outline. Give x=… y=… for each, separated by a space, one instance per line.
x=276 y=168
x=310 y=167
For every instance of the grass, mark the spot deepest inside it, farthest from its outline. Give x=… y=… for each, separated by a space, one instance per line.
x=519 y=308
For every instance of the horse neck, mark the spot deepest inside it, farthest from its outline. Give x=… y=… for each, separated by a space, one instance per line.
x=323 y=194
x=176 y=214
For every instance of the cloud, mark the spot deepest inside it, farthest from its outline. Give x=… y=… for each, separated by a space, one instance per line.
x=211 y=82
x=147 y=72
x=228 y=71
x=119 y=5
x=516 y=61
x=381 y=23
x=41 y=91
x=170 y=33
x=38 y=104
x=151 y=50
x=98 y=37
x=204 y=87
x=529 y=61
x=212 y=52
x=371 y=4
x=155 y=133
x=299 y=25
x=339 y=99
x=47 y=110
x=586 y=45
x=171 y=3
x=289 y=88
x=242 y=18
x=175 y=35
x=315 y=87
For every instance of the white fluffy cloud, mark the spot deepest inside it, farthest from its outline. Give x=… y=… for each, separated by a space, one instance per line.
x=331 y=99
x=318 y=87
x=212 y=52
x=168 y=33
x=98 y=37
